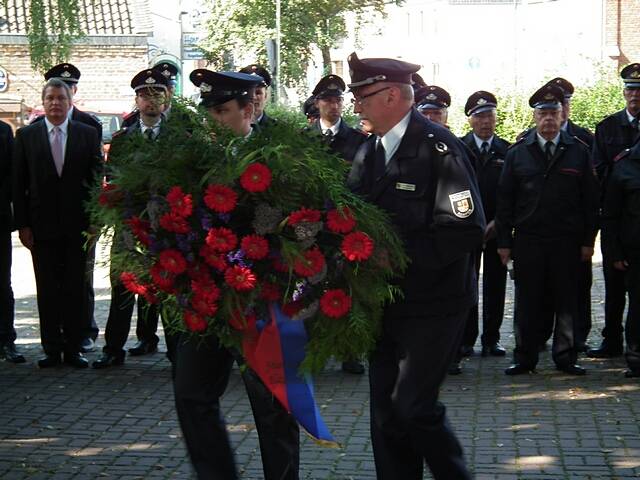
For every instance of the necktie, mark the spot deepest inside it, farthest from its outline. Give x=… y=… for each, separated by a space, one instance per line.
x=380 y=164
x=328 y=133
x=548 y=150
x=56 y=149
x=148 y=133
x=635 y=123
x=484 y=151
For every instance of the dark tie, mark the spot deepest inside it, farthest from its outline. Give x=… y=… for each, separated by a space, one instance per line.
x=484 y=151
x=634 y=123
x=148 y=133
x=328 y=133
x=380 y=164
x=548 y=151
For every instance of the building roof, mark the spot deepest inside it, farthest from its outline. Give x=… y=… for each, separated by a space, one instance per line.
x=97 y=17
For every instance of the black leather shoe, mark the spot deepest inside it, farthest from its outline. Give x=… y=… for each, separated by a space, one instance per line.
x=108 y=360
x=9 y=352
x=466 y=350
x=76 y=360
x=494 y=350
x=631 y=373
x=582 y=348
x=455 y=369
x=143 y=347
x=572 y=369
x=353 y=366
x=87 y=345
x=52 y=360
x=518 y=369
x=605 y=351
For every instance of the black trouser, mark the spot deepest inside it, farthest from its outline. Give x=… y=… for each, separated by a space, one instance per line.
x=614 y=302
x=494 y=281
x=92 y=330
x=583 y=322
x=632 y=327
x=59 y=267
x=408 y=423
x=7 y=331
x=202 y=372
x=545 y=267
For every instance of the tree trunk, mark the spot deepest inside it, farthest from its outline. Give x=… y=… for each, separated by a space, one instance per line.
x=326 y=59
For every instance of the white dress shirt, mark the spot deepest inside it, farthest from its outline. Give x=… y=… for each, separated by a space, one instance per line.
x=391 y=140
x=64 y=127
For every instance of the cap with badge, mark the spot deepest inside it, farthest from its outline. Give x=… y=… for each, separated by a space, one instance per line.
x=150 y=79
x=329 y=86
x=368 y=71
x=432 y=97
x=168 y=71
x=217 y=88
x=548 y=96
x=309 y=108
x=418 y=81
x=564 y=84
x=631 y=75
x=480 y=102
x=262 y=72
x=64 y=71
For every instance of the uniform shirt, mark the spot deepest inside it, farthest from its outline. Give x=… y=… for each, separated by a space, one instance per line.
x=479 y=142
x=155 y=128
x=543 y=142
x=64 y=126
x=391 y=140
x=334 y=128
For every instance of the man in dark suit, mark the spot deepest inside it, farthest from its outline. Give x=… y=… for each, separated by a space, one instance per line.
x=8 y=349
x=546 y=216
x=418 y=172
x=150 y=87
x=488 y=152
x=70 y=75
x=261 y=96
x=613 y=135
x=55 y=164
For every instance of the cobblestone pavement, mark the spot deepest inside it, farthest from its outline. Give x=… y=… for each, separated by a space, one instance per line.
x=120 y=423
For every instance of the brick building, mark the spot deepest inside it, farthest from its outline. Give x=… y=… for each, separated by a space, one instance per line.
x=114 y=48
x=622 y=31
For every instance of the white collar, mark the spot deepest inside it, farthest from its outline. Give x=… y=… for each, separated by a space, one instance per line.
x=542 y=141
x=70 y=112
x=479 y=141
x=629 y=116
x=63 y=126
x=155 y=126
x=334 y=128
x=391 y=140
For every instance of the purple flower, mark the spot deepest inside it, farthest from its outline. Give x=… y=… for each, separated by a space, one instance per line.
x=224 y=217
x=183 y=300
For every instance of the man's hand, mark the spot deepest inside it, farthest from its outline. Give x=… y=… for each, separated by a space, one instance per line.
x=505 y=255
x=586 y=253
x=490 y=231
x=621 y=265
x=26 y=237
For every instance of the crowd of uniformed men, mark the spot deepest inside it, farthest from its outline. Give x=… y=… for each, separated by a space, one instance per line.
x=532 y=208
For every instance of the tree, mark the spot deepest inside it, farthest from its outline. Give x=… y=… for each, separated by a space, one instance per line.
x=52 y=27
x=246 y=25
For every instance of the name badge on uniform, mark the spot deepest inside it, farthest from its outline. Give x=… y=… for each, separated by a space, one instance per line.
x=409 y=187
x=461 y=204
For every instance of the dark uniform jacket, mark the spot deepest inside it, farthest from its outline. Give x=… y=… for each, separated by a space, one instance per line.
x=53 y=206
x=265 y=121
x=346 y=142
x=82 y=117
x=582 y=133
x=6 y=149
x=613 y=135
x=621 y=210
x=430 y=191
x=547 y=201
x=488 y=170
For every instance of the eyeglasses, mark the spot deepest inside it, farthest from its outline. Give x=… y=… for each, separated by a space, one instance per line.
x=360 y=101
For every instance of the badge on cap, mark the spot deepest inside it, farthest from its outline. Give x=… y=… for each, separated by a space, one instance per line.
x=205 y=87
x=481 y=101
x=461 y=204
x=65 y=74
x=150 y=80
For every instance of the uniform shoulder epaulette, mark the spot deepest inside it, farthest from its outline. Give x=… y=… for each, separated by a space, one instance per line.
x=575 y=137
x=621 y=155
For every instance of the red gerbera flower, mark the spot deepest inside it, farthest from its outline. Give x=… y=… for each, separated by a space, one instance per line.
x=341 y=220
x=357 y=246
x=174 y=223
x=255 y=247
x=240 y=278
x=206 y=288
x=140 y=229
x=131 y=283
x=181 y=204
x=310 y=264
x=194 y=322
x=204 y=305
x=221 y=239
x=308 y=215
x=269 y=291
x=242 y=321
x=198 y=271
x=256 y=178
x=149 y=294
x=163 y=278
x=213 y=258
x=109 y=197
x=173 y=261
x=335 y=303
x=280 y=266
x=291 y=308
x=220 y=198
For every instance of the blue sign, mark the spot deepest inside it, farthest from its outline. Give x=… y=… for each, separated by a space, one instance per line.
x=4 y=80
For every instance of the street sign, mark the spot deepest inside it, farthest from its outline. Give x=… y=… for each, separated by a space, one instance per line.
x=4 y=80
x=190 y=50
